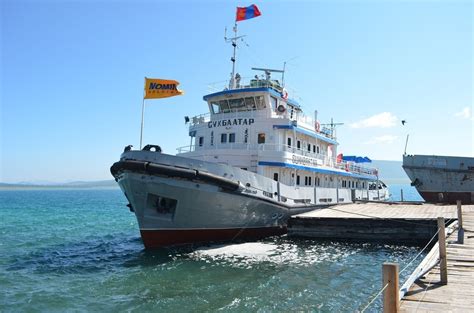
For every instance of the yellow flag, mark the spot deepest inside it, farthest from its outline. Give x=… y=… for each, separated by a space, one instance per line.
x=161 y=88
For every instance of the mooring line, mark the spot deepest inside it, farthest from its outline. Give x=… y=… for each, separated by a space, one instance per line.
x=374 y=298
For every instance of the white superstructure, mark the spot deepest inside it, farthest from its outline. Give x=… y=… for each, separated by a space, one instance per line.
x=256 y=127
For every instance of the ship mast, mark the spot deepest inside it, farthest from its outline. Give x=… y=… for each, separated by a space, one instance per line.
x=233 y=40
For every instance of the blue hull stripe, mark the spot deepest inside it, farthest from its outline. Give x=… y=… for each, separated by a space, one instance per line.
x=317 y=170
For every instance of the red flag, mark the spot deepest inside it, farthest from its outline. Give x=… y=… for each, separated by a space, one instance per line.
x=246 y=13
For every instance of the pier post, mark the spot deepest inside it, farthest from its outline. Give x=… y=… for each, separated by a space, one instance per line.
x=391 y=303
x=443 y=267
x=460 y=227
x=401 y=195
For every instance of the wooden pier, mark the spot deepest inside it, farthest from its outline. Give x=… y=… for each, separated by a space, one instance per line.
x=404 y=223
x=428 y=294
x=438 y=290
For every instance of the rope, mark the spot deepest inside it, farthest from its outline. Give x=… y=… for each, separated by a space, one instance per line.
x=426 y=246
x=374 y=298
x=424 y=294
x=376 y=217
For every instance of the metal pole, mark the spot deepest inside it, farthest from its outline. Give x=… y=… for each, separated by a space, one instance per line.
x=377 y=186
x=406 y=143
x=143 y=114
x=234 y=44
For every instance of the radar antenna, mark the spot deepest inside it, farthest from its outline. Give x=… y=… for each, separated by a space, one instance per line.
x=268 y=71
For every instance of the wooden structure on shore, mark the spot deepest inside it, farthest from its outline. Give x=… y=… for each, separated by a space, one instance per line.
x=448 y=286
x=402 y=223
x=429 y=294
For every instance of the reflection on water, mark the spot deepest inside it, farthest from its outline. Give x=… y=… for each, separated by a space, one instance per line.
x=81 y=251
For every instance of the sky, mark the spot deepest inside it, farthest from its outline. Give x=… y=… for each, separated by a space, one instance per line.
x=72 y=74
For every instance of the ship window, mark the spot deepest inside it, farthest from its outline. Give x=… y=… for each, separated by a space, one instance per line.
x=237 y=105
x=250 y=103
x=314 y=149
x=309 y=180
x=297 y=179
x=220 y=106
x=232 y=137
x=275 y=176
x=212 y=138
x=298 y=144
x=273 y=102
x=261 y=138
x=309 y=147
x=317 y=149
x=223 y=138
x=201 y=141
x=246 y=135
x=215 y=107
x=306 y=180
x=259 y=102
x=289 y=142
x=317 y=181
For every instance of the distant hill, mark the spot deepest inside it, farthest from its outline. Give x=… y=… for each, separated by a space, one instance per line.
x=70 y=185
x=391 y=172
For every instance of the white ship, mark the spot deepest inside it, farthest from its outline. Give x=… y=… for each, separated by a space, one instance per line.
x=441 y=179
x=253 y=160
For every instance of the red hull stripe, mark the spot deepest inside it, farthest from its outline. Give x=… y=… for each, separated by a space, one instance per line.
x=448 y=197
x=166 y=238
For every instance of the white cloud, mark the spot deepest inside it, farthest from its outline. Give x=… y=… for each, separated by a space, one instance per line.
x=386 y=139
x=466 y=113
x=382 y=120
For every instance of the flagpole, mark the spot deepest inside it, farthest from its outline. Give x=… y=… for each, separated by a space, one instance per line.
x=143 y=114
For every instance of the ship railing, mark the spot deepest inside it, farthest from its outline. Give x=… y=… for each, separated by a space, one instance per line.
x=246 y=82
x=200 y=119
x=318 y=159
x=306 y=122
x=217 y=146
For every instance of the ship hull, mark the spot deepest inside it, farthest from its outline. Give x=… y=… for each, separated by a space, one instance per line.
x=179 y=200
x=172 y=209
x=441 y=179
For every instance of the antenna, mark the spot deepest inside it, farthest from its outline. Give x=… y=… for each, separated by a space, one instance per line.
x=232 y=59
x=332 y=125
x=406 y=143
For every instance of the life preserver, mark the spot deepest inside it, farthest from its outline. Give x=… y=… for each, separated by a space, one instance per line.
x=317 y=126
x=347 y=167
x=284 y=94
x=281 y=108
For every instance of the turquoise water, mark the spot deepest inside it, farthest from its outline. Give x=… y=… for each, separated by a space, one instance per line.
x=80 y=250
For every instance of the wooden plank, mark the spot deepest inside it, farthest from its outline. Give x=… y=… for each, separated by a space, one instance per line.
x=427 y=295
